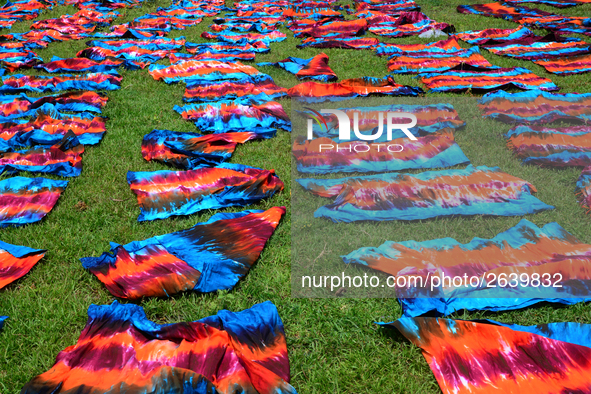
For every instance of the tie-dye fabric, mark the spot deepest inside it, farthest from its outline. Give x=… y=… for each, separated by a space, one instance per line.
x=521 y=254
x=430 y=119
x=551 y=147
x=27 y=200
x=211 y=70
x=498 y=36
x=554 y=3
x=325 y=156
x=313 y=92
x=340 y=42
x=470 y=357
x=162 y=194
x=139 y=57
x=316 y=68
x=320 y=29
x=251 y=38
x=14 y=59
x=226 y=57
x=536 y=107
x=549 y=47
x=80 y=64
x=229 y=352
x=226 y=48
x=250 y=89
x=191 y=150
x=435 y=61
x=16 y=261
x=408 y=24
x=63 y=159
x=2 y=320
x=20 y=106
x=388 y=49
x=49 y=129
x=227 y=116
x=208 y=257
x=390 y=6
x=567 y=65
x=431 y=194
x=583 y=189
x=464 y=77
x=28 y=83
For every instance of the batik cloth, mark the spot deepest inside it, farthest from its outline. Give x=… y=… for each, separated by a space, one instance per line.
x=465 y=77
x=28 y=83
x=431 y=194
x=315 y=68
x=482 y=37
x=551 y=147
x=539 y=265
x=16 y=261
x=314 y=92
x=190 y=151
x=536 y=107
x=435 y=60
x=13 y=107
x=441 y=46
x=14 y=59
x=80 y=64
x=229 y=352
x=325 y=156
x=162 y=194
x=567 y=65
x=27 y=200
x=474 y=357
x=247 y=88
x=408 y=24
x=340 y=42
x=211 y=70
x=209 y=256
x=251 y=38
x=238 y=115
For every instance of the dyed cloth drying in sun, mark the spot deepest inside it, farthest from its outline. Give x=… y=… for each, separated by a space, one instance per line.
x=175 y=22
x=554 y=3
x=431 y=194
x=430 y=119
x=27 y=200
x=477 y=358
x=2 y=320
x=63 y=159
x=465 y=77
x=153 y=44
x=13 y=59
x=391 y=6
x=136 y=56
x=325 y=156
x=162 y=194
x=227 y=115
x=535 y=107
x=321 y=29
x=435 y=61
x=315 y=68
x=350 y=88
x=340 y=42
x=226 y=48
x=226 y=57
x=244 y=26
x=198 y=90
x=498 y=36
x=211 y=70
x=80 y=64
x=442 y=46
x=407 y=24
x=191 y=150
x=567 y=65
x=29 y=83
x=231 y=352
x=518 y=254
x=19 y=106
x=551 y=147
x=15 y=262
x=49 y=128
x=208 y=257
x=251 y=38
x=583 y=189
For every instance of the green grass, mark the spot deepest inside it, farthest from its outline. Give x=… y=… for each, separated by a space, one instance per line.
x=333 y=344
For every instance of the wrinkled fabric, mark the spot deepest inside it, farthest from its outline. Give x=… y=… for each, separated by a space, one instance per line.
x=77 y=64
x=583 y=189
x=203 y=90
x=191 y=150
x=208 y=257
x=471 y=357
x=27 y=200
x=349 y=88
x=14 y=59
x=63 y=159
x=229 y=352
x=567 y=65
x=551 y=147
x=431 y=194
x=435 y=61
x=407 y=24
x=227 y=116
x=211 y=70
x=20 y=106
x=340 y=42
x=441 y=46
x=315 y=68
x=464 y=77
x=162 y=194
x=523 y=251
x=535 y=107
x=251 y=38
x=325 y=156
x=482 y=37
x=93 y=81
x=548 y=47
x=15 y=262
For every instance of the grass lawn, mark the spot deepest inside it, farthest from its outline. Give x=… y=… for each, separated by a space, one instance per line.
x=334 y=347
